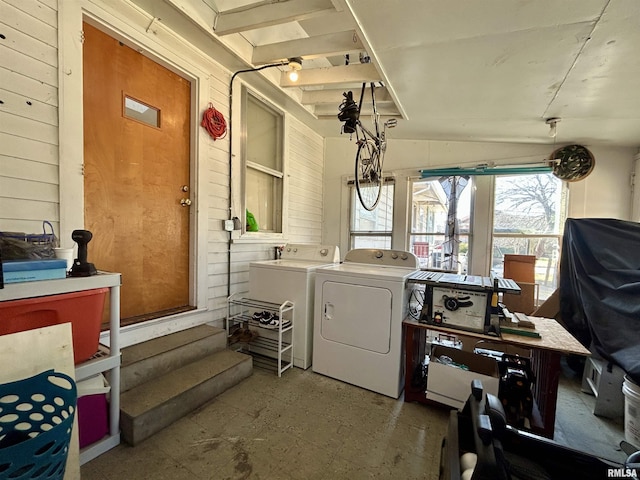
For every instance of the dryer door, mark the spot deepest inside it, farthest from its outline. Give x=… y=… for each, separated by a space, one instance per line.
x=357 y=315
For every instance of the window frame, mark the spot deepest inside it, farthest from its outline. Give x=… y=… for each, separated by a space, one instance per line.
x=353 y=198
x=469 y=234
x=248 y=95
x=563 y=212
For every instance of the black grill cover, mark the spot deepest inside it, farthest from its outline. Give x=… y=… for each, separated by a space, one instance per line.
x=600 y=288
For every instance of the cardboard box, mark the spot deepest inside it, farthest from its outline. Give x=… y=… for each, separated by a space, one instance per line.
x=523 y=303
x=550 y=308
x=451 y=385
x=520 y=268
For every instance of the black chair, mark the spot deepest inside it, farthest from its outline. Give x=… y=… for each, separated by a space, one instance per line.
x=506 y=453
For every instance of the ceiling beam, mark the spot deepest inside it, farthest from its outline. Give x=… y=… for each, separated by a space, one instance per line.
x=265 y=15
x=312 y=47
x=356 y=73
x=316 y=97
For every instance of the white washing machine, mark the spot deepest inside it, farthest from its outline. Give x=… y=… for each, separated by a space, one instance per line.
x=291 y=277
x=359 y=308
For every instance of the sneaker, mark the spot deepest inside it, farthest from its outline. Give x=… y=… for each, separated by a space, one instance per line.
x=261 y=316
x=274 y=323
x=268 y=317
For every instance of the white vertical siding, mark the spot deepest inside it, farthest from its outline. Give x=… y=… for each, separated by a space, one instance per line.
x=28 y=115
x=29 y=141
x=305 y=170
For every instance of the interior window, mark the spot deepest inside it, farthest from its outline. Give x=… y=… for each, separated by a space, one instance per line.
x=529 y=213
x=440 y=222
x=372 y=229
x=264 y=177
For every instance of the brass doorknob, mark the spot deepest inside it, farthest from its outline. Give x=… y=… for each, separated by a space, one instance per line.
x=185 y=202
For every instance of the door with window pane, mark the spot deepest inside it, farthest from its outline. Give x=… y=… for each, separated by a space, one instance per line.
x=136 y=175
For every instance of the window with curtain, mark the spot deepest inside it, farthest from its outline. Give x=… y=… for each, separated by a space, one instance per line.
x=529 y=214
x=264 y=172
x=440 y=222
x=371 y=229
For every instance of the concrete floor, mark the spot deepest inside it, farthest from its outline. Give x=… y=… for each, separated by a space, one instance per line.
x=306 y=426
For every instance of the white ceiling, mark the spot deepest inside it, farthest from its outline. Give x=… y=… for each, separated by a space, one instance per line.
x=460 y=70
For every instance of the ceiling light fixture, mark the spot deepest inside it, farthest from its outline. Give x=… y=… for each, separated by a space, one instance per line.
x=295 y=64
x=553 y=126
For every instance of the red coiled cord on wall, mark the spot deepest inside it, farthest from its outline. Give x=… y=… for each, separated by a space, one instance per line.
x=214 y=123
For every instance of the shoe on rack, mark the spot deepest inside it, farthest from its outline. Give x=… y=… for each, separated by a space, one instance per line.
x=267 y=317
x=274 y=323
x=247 y=335
x=261 y=316
x=235 y=335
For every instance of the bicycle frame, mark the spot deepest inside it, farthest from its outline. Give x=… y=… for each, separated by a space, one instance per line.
x=371 y=148
x=377 y=137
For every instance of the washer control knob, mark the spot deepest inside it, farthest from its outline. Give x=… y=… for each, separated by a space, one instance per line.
x=324 y=252
x=404 y=256
x=394 y=255
x=379 y=254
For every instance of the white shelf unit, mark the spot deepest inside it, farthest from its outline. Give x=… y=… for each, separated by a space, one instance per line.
x=272 y=347
x=106 y=359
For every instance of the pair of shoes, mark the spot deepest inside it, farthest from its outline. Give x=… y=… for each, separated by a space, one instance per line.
x=235 y=335
x=274 y=323
x=247 y=335
x=243 y=335
x=270 y=320
x=264 y=317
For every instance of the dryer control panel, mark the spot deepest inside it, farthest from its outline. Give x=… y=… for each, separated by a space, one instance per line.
x=385 y=257
x=314 y=253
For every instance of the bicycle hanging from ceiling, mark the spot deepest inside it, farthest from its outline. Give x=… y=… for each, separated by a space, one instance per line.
x=371 y=146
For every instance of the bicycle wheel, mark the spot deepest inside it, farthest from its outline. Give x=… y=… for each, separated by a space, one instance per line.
x=368 y=174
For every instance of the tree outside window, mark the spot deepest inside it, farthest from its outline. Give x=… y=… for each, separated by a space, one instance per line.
x=529 y=213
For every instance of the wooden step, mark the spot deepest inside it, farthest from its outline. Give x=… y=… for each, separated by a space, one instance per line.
x=152 y=406
x=148 y=360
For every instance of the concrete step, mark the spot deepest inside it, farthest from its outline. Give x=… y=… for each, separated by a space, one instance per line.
x=152 y=406
x=148 y=360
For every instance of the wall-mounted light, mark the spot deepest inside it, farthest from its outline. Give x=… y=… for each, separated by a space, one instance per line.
x=553 y=126
x=295 y=64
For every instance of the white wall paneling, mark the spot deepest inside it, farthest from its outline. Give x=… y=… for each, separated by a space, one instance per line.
x=28 y=116
x=35 y=185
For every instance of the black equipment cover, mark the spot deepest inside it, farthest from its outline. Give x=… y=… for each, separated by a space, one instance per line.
x=600 y=288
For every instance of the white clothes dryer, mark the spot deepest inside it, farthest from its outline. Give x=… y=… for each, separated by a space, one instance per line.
x=291 y=277
x=359 y=308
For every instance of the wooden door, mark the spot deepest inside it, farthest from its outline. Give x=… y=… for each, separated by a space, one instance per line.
x=136 y=168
